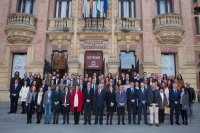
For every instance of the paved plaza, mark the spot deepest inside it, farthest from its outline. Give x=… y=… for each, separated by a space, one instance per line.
x=14 y=127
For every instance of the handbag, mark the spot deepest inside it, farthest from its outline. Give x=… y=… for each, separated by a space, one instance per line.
x=167 y=110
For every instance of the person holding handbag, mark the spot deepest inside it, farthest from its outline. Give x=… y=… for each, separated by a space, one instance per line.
x=30 y=102
x=23 y=94
x=39 y=104
x=66 y=104
x=163 y=102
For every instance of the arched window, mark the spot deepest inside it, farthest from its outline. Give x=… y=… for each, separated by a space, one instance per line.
x=26 y=6
x=126 y=8
x=63 y=9
x=163 y=6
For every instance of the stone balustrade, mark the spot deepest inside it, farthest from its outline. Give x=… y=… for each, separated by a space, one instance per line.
x=128 y=24
x=60 y=24
x=20 y=27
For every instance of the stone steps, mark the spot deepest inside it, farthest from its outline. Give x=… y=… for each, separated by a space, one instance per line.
x=4 y=117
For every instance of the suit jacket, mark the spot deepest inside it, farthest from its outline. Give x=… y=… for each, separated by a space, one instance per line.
x=138 y=80
x=141 y=96
x=68 y=97
x=67 y=82
x=27 y=80
x=105 y=88
x=45 y=88
x=131 y=96
x=62 y=87
x=95 y=87
x=77 y=82
x=58 y=81
x=121 y=99
x=150 y=97
x=100 y=99
x=111 y=97
x=97 y=80
x=89 y=96
x=174 y=97
x=39 y=108
x=163 y=102
x=15 y=91
x=45 y=101
x=30 y=95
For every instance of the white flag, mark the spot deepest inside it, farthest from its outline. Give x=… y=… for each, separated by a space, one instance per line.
x=84 y=6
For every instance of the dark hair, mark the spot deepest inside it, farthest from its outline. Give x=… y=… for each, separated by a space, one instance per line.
x=183 y=87
x=180 y=76
x=161 y=88
x=165 y=76
x=67 y=88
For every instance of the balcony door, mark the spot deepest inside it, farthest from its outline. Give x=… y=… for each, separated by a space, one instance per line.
x=126 y=8
x=63 y=9
x=163 y=6
x=26 y=6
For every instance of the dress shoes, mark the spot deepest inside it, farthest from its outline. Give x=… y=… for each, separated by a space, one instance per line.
x=63 y=123
x=10 y=112
x=118 y=123
x=27 y=122
x=95 y=123
x=101 y=123
x=123 y=124
x=138 y=123
x=157 y=125
x=150 y=124
x=85 y=123
x=89 y=123
x=178 y=123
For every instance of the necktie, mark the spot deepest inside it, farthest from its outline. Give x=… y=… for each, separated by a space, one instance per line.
x=143 y=91
x=99 y=93
x=121 y=94
x=175 y=92
x=15 y=87
x=88 y=90
x=132 y=91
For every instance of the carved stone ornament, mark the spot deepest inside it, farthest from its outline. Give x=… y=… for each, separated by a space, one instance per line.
x=20 y=27
x=168 y=28
x=169 y=37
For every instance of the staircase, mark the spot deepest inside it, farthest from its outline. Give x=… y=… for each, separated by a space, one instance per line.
x=22 y=118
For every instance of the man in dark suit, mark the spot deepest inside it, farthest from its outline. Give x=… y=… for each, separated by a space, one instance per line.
x=100 y=98
x=16 y=76
x=44 y=86
x=25 y=79
x=77 y=81
x=95 y=87
x=88 y=103
x=174 y=103
x=14 y=95
x=138 y=79
x=96 y=78
x=132 y=95
x=153 y=98
x=57 y=79
x=142 y=103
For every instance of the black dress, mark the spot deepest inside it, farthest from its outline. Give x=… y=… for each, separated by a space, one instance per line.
x=111 y=97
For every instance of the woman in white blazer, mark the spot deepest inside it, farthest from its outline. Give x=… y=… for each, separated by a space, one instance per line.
x=23 y=94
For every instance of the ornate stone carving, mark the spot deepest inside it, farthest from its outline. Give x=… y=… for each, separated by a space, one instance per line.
x=20 y=27
x=168 y=28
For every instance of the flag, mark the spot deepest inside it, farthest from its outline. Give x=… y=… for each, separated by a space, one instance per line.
x=98 y=6
x=105 y=6
x=84 y=6
x=91 y=6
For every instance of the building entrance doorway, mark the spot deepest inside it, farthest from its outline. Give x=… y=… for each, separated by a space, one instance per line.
x=91 y=72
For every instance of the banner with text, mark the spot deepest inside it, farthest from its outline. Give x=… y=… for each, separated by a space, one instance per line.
x=93 y=60
x=19 y=64
x=168 y=64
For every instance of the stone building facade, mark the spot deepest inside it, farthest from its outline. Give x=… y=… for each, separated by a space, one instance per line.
x=142 y=32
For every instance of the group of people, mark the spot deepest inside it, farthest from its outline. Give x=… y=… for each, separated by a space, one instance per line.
x=102 y=95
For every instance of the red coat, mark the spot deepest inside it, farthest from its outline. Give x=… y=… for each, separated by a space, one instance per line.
x=80 y=100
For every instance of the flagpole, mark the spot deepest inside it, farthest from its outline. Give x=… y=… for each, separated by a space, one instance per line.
x=85 y=18
x=103 y=19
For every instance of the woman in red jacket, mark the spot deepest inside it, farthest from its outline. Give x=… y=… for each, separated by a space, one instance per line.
x=76 y=103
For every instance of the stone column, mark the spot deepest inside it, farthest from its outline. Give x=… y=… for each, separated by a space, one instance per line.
x=73 y=63
x=113 y=63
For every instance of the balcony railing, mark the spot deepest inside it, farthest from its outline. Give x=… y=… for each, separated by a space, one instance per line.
x=94 y=24
x=21 y=20
x=128 y=24
x=60 y=24
x=170 y=20
x=21 y=27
